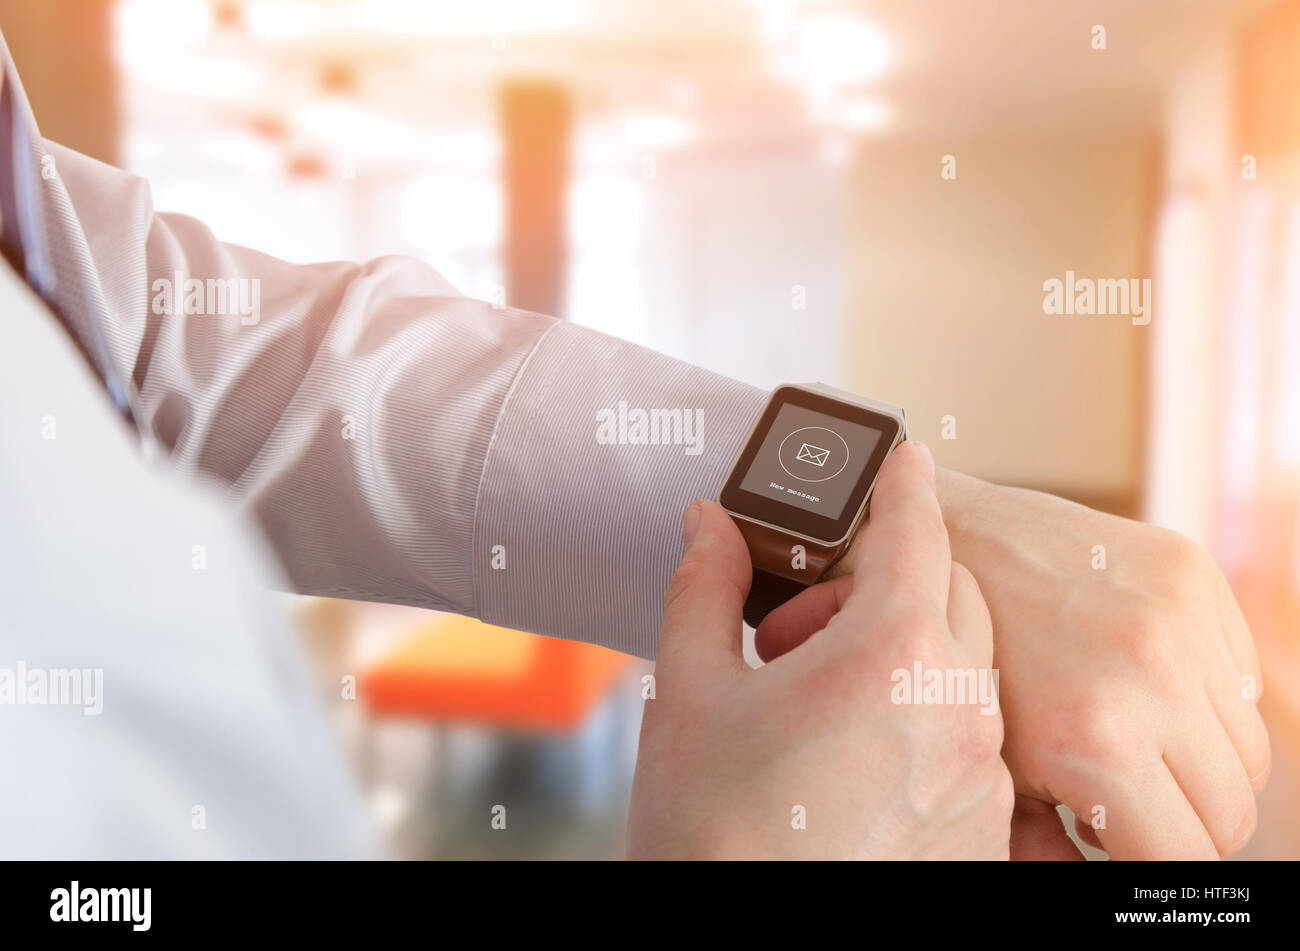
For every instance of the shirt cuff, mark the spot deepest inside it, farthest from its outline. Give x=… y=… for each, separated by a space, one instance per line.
x=599 y=448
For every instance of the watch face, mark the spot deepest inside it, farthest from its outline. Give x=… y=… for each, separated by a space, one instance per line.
x=810 y=463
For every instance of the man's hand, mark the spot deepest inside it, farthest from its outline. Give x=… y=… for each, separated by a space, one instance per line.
x=810 y=756
x=1129 y=690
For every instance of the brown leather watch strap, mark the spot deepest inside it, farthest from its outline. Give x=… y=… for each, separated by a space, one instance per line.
x=783 y=566
x=767 y=592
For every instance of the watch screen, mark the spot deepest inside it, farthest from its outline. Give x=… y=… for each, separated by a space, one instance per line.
x=811 y=461
x=810 y=464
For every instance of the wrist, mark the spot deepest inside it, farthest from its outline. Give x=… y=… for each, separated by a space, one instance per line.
x=967 y=504
x=970 y=508
x=1007 y=535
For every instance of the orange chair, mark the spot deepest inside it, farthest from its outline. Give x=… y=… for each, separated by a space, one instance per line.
x=458 y=669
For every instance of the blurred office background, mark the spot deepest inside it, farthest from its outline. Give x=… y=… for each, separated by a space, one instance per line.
x=867 y=193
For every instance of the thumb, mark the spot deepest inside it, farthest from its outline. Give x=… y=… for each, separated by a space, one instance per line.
x=905 y=555
x=706 y=597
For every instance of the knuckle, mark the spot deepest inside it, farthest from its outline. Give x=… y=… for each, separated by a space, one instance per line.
x=916 y=656
x=1189 y=557
x=1186 y=565
x=1149 y=644
x=1103 y=730
x=865 y=664
x=913 y=626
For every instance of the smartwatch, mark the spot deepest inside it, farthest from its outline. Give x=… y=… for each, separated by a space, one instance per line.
x=800 y=487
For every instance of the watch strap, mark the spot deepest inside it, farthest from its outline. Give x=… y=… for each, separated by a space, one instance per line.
x=768 y=592
x=774 y=556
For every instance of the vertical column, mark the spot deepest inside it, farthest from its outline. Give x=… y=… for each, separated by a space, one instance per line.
x=535 y=127
x=64 y=53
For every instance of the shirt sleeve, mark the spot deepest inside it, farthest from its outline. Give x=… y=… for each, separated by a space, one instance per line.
x=396 y=440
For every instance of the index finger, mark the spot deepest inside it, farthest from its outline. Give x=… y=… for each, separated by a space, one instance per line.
x=905 y=543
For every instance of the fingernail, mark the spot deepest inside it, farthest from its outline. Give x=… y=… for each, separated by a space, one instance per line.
x=690 y=523
x=929 y=457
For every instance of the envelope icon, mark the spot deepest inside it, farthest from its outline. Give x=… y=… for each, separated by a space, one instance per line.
x=813 y=454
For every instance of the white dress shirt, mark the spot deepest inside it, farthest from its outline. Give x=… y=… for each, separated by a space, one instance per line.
x=153 y=702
